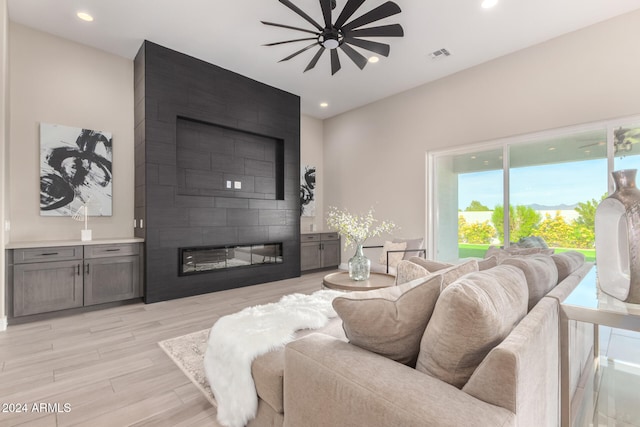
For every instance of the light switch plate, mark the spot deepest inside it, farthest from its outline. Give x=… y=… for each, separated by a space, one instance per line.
x=237 y=185
x=228 y=184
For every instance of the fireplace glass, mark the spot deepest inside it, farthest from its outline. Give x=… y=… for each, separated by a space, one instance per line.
x=207 y=259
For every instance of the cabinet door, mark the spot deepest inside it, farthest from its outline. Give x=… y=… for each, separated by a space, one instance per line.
x=331 y=253
x=111 y=279
x=309 y=256
x=46 y=286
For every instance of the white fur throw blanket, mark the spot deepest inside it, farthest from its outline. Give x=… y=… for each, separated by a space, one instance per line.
x=237 y=339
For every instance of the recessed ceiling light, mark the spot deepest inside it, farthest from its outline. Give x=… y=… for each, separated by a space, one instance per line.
x=84 y=16
x=324 y=104
x=488 y=4
x=374 y=59
x=552 y=148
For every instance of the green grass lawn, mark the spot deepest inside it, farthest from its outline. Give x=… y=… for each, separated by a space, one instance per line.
x=467 y=250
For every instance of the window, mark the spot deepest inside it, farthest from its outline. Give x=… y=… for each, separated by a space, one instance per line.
x=551 y=181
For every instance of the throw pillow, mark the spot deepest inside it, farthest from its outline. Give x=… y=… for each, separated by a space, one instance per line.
x=408 y=271
x=487 y=263
x=394 y=257
x=567 y=263
x=471 y=316
x=390 y=321
x=411 y=244
x=430 y=265
x=541 y=274
x=453 y=273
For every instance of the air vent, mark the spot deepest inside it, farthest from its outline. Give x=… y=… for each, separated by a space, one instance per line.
x=440 y=53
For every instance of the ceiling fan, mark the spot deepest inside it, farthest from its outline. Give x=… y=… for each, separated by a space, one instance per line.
x=342 y=34
x=623 y=138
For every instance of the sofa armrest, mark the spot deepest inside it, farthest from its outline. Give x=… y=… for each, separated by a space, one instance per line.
x=330 y=383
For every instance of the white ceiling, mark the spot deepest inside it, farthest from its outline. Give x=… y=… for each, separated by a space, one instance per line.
x=229 y=34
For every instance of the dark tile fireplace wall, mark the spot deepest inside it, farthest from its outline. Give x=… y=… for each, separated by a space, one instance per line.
x=198 y=127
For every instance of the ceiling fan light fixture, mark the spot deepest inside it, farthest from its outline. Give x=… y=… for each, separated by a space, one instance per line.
x=373 y=59
x=330 y=43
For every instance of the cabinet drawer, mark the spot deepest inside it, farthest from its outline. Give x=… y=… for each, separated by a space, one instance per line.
x=310 y=237
x=56 y=253
x=102 y=251
x=330 y=236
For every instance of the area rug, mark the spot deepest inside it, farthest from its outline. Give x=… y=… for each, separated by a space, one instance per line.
x=187 y=352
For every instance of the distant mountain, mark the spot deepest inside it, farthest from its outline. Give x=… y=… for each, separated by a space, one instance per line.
x=562 y=207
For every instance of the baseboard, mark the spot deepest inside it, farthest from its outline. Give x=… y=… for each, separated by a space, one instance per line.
x=3 y=323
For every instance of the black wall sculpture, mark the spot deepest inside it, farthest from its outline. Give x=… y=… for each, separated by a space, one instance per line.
x=201 y=129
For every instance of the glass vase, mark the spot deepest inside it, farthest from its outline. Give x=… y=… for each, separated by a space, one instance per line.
x=618 y=239
x=359 y=265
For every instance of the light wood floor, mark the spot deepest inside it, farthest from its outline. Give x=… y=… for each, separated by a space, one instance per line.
x=107 y=364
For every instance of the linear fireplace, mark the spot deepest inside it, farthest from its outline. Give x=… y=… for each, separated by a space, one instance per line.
x=211 y=258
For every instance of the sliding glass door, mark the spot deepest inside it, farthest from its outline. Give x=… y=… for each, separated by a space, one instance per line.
x=469 y=187
x=551 y=182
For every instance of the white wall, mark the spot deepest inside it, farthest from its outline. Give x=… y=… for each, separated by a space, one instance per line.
x=4 y=149
x=53 y=80
x=311 y=141
x=375 y=155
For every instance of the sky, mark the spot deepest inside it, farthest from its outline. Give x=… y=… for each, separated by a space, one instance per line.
x=549 y=185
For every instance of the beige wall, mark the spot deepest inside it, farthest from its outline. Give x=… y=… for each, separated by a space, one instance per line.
x=375 y=155
x=53 y=80
x=4 y=150
x=311 y=141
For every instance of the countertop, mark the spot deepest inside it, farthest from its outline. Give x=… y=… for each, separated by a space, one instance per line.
x=52 y=243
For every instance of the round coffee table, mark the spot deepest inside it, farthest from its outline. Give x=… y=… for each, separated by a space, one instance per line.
x=342 y=282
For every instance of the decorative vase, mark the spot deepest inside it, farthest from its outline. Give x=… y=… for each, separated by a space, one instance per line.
x=618 y=239
x=359 y=265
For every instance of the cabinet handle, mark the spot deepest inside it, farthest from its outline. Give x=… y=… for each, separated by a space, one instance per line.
x=49 y=253
x=87 y=268
x=78 y=269
x=112 y=250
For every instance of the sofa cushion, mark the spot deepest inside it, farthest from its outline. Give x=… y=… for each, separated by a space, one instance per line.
x=487 y=263
x=567 y=263
x=411 y=244
x=471 y=316
x=268 y=369
x=390 y=321
x=394 y=257
x=541 y=274
x=501 y=254
x=430 y=265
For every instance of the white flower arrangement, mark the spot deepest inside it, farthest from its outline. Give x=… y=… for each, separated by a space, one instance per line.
x=357 y=228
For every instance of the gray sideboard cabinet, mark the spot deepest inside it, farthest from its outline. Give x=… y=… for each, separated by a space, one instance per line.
x=61 y=277
x=319 y=250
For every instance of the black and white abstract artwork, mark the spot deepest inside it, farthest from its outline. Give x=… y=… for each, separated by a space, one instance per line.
x=75 y=170
x=307 y=191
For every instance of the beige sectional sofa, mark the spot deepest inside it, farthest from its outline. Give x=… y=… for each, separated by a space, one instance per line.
x=323 y=379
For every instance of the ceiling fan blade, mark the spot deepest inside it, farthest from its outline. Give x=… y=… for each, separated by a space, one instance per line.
x=383 y=11
x=299 y=52
x=326 y=12
x=315 y=59
x=379 y=48
x=289 y=27
x=300 y=12
x=290 y=41
x=355 y=56
x=348 y=10
x=335 y=61
x=394 y=30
